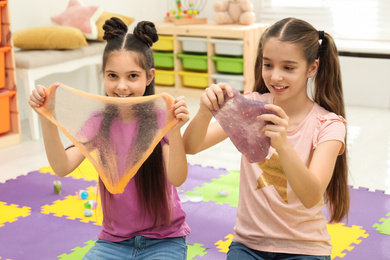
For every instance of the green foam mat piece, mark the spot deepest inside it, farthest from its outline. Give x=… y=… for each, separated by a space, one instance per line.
x=211 y=191
x=78 y=252
x=195 y=250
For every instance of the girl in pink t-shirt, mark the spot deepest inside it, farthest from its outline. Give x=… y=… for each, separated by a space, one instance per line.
x=146 y=221
x=281 y=199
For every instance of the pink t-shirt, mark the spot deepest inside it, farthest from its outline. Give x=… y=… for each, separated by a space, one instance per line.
x=123 y=217
x=265 y=221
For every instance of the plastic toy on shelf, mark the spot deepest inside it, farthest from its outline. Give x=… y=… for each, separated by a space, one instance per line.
x=182 y=12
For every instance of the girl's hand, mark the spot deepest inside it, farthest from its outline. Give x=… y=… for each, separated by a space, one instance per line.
x=277 y=131
x=37 y=96
x=213 y=97
x=180 y=111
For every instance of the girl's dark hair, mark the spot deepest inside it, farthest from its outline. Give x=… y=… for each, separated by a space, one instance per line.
x=151 y=180
x=328 y=93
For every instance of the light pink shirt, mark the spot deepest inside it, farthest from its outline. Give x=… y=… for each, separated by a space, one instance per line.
x=265 y=221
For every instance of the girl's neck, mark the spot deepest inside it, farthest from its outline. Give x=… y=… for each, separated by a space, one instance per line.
x=296 y=109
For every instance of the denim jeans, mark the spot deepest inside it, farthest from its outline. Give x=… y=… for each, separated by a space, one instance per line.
x=139 y=247
x=241 y=252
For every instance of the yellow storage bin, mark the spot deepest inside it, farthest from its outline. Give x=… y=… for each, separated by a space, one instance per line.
x=194 y=79
x=165 y=77
x=164 y=43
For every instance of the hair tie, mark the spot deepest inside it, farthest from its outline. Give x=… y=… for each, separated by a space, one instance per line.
x=321 y=35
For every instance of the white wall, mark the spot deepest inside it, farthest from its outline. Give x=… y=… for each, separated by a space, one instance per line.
x=26 y=14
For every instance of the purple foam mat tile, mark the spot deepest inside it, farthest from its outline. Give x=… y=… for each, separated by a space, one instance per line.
x=41 y=236
x=198 y=175
x=212 y=254
x=366 y=207
x=375 y=246
x=36 y=189
x=209 y=222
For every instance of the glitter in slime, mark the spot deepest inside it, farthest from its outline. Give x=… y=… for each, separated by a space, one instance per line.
x=238 y=118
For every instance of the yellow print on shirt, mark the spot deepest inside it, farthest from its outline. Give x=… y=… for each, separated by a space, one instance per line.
x=273 y=174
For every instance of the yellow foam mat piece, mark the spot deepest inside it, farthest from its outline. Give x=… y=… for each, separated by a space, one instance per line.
x=85 y=171
x=73 y=208
x=343 y=237
x=11 y=213
x=223 y=246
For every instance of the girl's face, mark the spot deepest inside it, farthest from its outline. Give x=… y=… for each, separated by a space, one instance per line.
x=285 y=70
x=123 y=77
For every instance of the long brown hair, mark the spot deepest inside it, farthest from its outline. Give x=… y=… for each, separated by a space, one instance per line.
x=328 y=93
x=151 y=180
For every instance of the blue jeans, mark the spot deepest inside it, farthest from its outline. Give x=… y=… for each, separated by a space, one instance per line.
x=139 y=247
x=239 y=251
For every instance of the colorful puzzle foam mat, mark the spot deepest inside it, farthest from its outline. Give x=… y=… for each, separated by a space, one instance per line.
x=37 y=223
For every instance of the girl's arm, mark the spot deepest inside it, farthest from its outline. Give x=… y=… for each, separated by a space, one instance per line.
x=308 y=182
x=174 y=154
x=62 y=162
x=200 y=134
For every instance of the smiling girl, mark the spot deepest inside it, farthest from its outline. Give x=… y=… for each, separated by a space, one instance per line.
x=146 y=221
x=308 y=136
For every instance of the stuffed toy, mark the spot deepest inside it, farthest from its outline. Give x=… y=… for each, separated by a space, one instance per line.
x=234 y=11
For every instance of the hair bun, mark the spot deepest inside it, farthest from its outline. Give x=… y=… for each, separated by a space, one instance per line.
x=146 y=31
x=113 y=28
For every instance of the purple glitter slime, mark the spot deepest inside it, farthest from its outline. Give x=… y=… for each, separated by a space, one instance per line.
x=237 y=116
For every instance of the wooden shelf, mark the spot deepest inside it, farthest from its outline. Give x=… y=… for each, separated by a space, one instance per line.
x=13 y=136
x=249 y=34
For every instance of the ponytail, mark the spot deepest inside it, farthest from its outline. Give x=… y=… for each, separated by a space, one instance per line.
x=328 y=93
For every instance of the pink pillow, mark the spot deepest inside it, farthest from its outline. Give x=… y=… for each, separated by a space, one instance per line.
x=80 y=16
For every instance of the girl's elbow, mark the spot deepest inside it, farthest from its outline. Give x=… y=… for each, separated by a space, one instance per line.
x=60 y=172
x=191 y=152
x=310 y=202
x=192 y=149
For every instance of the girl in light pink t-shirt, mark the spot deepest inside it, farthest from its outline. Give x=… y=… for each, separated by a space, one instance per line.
x=281 y=199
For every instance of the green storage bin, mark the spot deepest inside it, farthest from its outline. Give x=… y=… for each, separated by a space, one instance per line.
x=193 y=61
x=229 y=64
x=163 y=60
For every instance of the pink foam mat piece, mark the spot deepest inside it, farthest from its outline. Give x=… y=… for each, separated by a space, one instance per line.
x=367 y=208
x=209 y=222
x=375 y=246
x=36 y=189
x=41 y=236
x=198 y=176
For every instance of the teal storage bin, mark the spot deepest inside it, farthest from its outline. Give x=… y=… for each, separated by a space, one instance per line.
x=193 y=61
x=229 y=64
x=163 y=60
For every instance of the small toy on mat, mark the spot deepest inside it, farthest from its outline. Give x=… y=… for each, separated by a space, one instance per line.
x=88 y=212
x=90 y=204
x=57 y=186
x=223 y=193
x=82 y=194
